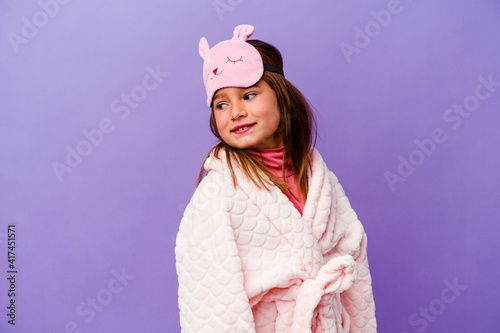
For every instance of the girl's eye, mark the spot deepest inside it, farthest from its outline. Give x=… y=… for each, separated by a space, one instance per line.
x=221 y=106
x=250 y=96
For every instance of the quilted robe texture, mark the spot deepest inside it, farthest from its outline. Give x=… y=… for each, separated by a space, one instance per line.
x=247 y=261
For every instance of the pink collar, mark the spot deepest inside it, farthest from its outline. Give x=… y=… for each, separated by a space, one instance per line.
x=272 y=158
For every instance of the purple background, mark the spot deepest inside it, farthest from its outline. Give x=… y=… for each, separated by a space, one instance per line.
x=119 y=209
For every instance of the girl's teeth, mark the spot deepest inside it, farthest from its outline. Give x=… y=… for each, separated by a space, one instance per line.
x=241 y=129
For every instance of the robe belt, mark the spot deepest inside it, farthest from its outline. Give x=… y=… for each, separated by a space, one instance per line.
x=336 y=276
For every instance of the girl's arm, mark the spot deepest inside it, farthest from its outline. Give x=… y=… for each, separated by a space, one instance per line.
x=211 y=293
x=358 y=300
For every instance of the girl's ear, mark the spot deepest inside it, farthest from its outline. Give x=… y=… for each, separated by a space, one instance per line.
x=203 y=47
x=243 y=32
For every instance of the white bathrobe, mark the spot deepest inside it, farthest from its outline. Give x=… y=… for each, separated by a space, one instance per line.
x=247 y=261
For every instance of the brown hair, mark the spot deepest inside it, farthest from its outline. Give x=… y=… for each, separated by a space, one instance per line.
x=297 y=126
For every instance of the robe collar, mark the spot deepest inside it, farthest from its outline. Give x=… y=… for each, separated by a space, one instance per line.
x=310 y=234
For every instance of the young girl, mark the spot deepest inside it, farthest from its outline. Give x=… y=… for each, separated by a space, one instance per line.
x=268 y=242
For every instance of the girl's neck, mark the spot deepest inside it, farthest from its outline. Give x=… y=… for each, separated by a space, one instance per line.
x=263 y=150
x=272 y=158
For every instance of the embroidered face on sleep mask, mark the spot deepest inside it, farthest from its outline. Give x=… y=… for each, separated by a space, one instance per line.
x=232 y=63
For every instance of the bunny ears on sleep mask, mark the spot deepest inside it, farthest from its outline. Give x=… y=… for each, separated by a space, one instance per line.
x=232 y=63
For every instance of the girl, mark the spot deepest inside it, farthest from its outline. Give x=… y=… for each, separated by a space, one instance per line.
x=268 y=242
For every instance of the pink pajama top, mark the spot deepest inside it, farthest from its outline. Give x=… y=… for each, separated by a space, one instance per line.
x=273 y=160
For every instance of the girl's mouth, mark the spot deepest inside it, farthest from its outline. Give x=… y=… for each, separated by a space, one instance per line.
x=243 y=129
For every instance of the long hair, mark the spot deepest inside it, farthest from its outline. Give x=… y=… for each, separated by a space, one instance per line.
x=297 y=127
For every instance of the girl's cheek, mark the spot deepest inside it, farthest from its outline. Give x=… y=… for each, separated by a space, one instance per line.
x=220 y=125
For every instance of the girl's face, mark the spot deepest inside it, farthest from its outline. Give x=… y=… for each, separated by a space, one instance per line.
x=248 y=117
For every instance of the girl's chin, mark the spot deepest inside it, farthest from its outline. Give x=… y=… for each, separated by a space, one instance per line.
x=242 y=145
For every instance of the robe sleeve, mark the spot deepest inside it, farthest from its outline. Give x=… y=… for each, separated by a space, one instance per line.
x=358 y=300
x=211 y=293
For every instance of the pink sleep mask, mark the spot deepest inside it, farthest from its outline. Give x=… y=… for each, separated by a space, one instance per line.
x=232 y=63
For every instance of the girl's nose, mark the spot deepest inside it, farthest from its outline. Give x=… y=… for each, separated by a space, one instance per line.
x=238 y=110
